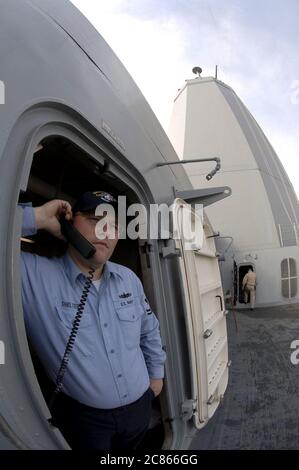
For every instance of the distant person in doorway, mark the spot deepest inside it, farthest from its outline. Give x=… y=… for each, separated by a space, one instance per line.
x=249 y=287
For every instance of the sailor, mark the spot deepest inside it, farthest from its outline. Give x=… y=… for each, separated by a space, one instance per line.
x=249 y=287
x=116 y=366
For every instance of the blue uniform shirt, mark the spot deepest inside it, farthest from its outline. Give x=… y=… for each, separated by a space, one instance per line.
x=118 y=345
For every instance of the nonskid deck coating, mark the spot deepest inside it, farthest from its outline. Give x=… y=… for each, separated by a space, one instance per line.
x=261 y=405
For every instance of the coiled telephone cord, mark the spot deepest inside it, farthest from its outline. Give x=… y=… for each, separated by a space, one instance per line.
x=72 y=337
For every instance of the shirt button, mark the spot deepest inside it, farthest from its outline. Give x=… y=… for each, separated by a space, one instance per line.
x=125 y=396
x=119 y=376
x=105 y=325
x=133 y=316
x=112 y=351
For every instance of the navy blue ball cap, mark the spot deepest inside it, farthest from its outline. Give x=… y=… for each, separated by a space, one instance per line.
x=90 y=200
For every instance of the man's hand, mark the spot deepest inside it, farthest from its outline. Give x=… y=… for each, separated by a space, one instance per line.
x=156 y=385
x=47 y=216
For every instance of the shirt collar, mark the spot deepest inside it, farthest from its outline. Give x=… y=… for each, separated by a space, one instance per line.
x=73 y=271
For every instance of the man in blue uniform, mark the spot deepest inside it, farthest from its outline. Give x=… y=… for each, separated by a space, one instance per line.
x=116 y=366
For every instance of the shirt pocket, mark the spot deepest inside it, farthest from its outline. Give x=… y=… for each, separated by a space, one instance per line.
x=129 y=316
x=83 y=340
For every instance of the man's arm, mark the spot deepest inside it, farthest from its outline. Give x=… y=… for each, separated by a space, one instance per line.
x=29 y=221
x=150 y=343
x=45 y=217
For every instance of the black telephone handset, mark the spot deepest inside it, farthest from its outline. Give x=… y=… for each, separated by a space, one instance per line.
x=87 y=250
x=76 y=239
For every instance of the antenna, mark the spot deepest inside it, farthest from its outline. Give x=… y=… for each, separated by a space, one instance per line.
x=197 y=71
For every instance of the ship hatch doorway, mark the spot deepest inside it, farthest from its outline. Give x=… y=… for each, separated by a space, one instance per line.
x=243 y=269
x=62 y=170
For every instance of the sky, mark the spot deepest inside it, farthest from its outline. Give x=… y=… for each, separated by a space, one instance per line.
x=254 y=43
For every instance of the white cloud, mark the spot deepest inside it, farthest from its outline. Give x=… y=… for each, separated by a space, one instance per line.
x=152 y=52
x=160 y=52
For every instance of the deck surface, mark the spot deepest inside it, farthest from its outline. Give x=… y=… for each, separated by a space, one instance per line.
x=261 y=405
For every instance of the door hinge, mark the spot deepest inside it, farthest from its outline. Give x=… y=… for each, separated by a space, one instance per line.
x=188 y=409
x=215 y=398
x=212 y=399
x=168 y=249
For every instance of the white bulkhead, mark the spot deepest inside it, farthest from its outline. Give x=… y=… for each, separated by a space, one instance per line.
x=260 y=219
